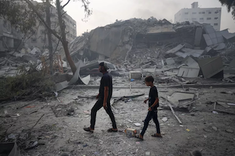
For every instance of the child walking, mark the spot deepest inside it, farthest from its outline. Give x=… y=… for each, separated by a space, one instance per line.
x=153 y=102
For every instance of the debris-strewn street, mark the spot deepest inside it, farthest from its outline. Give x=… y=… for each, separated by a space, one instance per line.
x=60 y=130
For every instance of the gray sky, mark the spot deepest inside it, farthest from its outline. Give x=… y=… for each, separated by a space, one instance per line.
x=107 y=11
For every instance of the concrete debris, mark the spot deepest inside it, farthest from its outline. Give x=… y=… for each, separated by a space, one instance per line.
x=75 y=79
x=189 y=69
x=227 y=35
x=137 y=124
x=135 y=75
x=211 y=67
x=164 y=119
x=92 y=68
x=182 y=100
x=229 y=130
x=174 y=50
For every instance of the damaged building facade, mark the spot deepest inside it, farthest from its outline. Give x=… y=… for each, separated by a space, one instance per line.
x=210 y=16
x=10 y=37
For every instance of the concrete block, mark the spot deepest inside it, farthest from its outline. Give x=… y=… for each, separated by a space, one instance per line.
x=135 y=75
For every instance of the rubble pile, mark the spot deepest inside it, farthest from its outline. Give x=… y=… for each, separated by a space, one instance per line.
x=137 y=44
x=115 y=40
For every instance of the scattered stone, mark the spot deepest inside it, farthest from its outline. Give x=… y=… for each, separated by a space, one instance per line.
x=64 y=154
x=137 y=124
x=192 y=114
x=229 y=130
x=70 y=112
x=31 y=145
x=129 y=120
x=164 y=119
x=147 y=153
x=214 y=112
x=214 y=128
x=11 y=136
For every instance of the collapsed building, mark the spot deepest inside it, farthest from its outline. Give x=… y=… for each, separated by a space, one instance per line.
x=139 y=43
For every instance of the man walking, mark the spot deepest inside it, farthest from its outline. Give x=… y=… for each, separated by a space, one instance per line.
x=104 y=96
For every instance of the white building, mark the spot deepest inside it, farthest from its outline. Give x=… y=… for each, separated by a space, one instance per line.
x=210 y=16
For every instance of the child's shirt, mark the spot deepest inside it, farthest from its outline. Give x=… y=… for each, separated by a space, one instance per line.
x=153 y=95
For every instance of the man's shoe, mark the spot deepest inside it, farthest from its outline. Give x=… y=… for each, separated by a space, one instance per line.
x=157 y=135
x=140 y=137
x=88 y=129
x=112 y=130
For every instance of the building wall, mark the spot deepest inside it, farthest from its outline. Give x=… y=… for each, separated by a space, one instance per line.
x=210 y=16
x=9 y=37
x=39 y=38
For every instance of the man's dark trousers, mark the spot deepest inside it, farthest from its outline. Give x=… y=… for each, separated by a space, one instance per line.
x=96 y=107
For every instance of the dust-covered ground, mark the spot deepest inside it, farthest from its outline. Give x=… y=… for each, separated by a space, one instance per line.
x=60 y=129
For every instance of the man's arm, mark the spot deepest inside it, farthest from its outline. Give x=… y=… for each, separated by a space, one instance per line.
x=106 y=92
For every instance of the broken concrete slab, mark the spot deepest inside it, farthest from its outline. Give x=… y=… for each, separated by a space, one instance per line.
x=137 y=75
x=198 y=37
x=182 y=100
x=220 y=46
x=189 y=52
x=174 y=50
x=211 y=67
x=227 y=35
x=161 y=29
x=189 y=72
x=170 y=61
x=212 y=37
x=110 y=42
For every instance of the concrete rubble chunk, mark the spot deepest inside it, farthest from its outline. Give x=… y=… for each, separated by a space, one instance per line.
x=174 y=50
x=164 y=119
x=211 y=67
x=229 y=130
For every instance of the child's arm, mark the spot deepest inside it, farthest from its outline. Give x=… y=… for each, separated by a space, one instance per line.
x=154 y=104
x=146 y=100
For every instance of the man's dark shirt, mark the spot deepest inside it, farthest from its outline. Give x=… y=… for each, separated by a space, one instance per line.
x=106 y=81
x=153 y=94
